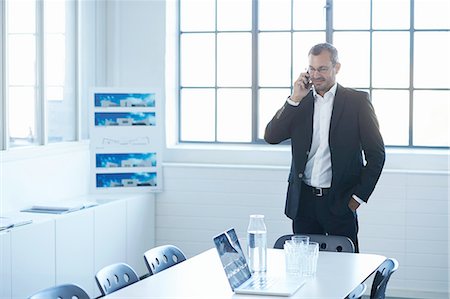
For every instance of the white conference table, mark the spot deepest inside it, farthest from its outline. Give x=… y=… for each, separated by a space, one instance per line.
x=202 y=276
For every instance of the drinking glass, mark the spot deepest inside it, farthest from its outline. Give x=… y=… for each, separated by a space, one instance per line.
x=309 y=259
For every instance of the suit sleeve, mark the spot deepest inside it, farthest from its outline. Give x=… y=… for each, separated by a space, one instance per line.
x=279 y=128
x=373 y=147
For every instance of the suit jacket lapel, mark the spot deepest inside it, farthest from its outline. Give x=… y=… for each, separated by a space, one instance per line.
x=309 y=107
x=338 y=107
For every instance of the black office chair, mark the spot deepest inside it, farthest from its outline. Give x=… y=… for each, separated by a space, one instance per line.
x=63 y=291
x=358 y=292
x=326 y=242
x=381 y=279
x=162 y=257
x=114 y=277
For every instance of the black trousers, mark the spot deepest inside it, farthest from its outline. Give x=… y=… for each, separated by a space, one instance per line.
x=315 y=217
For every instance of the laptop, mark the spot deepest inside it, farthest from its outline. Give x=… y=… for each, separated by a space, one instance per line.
x=239 y=275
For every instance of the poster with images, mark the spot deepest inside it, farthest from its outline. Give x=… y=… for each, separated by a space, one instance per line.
x=126 y=140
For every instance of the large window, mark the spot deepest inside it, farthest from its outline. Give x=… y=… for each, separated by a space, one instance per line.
x=39 y=67
x=238 y=59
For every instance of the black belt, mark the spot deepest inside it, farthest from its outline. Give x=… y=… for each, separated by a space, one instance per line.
x=319 y=192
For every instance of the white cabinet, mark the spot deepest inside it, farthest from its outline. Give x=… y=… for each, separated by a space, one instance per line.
x=32 y=258
x=71 y=248
x=140 y=231
x=75 y=249
x=5 y=264
x=110 y=236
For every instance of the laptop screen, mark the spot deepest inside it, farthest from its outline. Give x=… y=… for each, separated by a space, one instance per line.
x=232 y=258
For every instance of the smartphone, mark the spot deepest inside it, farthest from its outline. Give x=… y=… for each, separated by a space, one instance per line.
x=307 y=82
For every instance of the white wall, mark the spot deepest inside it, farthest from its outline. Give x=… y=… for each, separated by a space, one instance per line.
x=127 y=45
x=36 y=174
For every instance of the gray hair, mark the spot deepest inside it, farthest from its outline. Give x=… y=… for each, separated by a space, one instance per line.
x=319 y=48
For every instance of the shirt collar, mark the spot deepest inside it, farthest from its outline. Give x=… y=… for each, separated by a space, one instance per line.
x=332 y=91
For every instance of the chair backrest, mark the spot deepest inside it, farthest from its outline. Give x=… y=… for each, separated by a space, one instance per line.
x=381 y=279
x=63 y=291
x=357 y=292
x=114 y=277
x=326 y=242
x=162 y=257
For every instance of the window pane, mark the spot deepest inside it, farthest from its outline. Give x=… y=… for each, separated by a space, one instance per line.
x=388 y=14
x=21 y=60
x=234 y=14
x=55 y=50
x=197 y=59
x=390 y=66
x=197 y=117
x=197 y=15
x=431 y=118
x=351 y=14
x=59 y=70
x=274 y=14
x=303 y=42
x=392 y=109
x=24 y=12
x=431 y=66
x=234 y=59
x=54 y=93
x=354 y=49
x=309 y=14
x=431 y=14
x=274 y=59
x=270 y=100
x=234 y=115
x=22 y=117
x=55 y=16
x=61 y=120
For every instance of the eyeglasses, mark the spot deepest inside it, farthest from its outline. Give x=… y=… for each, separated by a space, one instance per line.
x=321 y=70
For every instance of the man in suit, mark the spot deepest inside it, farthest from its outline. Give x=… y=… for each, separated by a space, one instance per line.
x=337 y=149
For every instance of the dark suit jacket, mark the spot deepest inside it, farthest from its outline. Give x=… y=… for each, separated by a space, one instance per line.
x=353 y=130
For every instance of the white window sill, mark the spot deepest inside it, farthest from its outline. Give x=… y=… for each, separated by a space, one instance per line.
x=30 y=152
x=433 y=160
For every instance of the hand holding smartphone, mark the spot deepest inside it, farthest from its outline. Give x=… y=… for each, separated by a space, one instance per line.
x=301 y=87
x=307 y=81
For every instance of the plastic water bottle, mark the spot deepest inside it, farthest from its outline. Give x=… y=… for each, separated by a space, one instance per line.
x=257 y=243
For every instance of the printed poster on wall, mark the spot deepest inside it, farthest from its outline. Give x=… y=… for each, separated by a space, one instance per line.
x=126 y=140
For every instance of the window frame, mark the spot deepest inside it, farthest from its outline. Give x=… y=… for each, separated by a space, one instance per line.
x=3 y=122
x=41 y=105
x=329 y=33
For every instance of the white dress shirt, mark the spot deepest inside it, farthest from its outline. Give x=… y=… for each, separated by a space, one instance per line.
x=318 y=172
x=318 y=167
